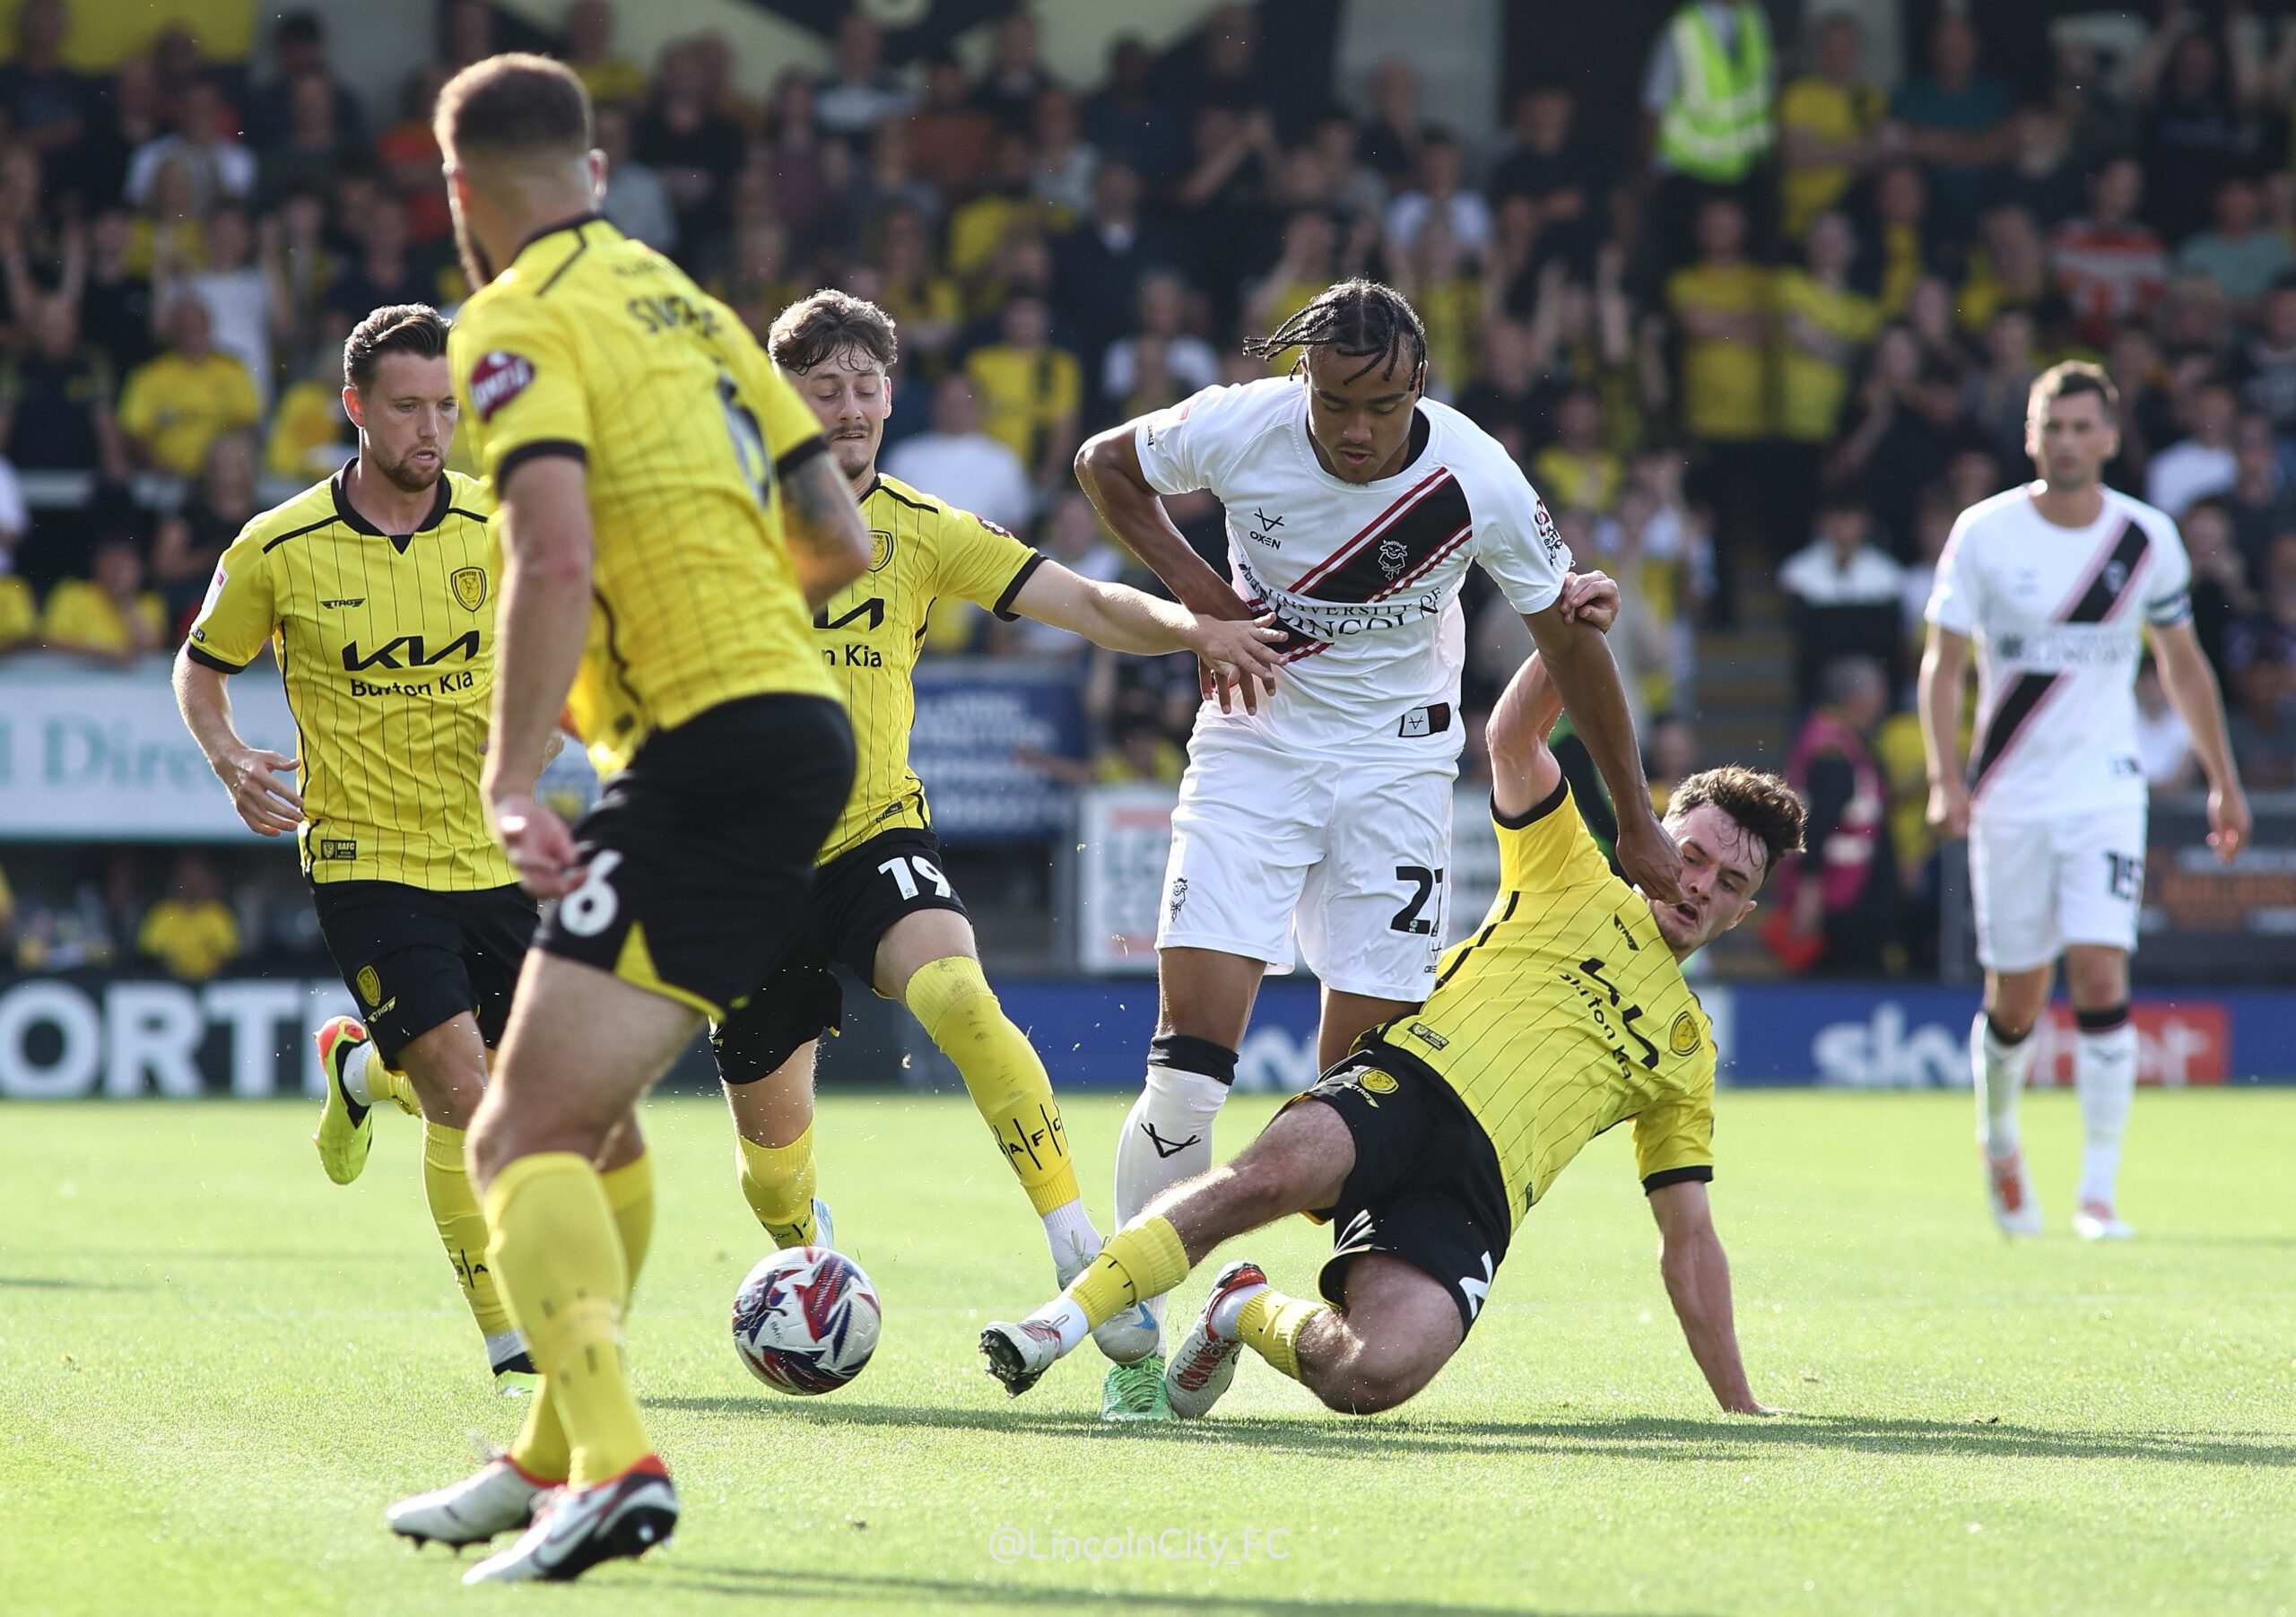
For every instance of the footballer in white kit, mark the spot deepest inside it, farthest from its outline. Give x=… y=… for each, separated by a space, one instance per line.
x=2058 y=584
x=1355 y=506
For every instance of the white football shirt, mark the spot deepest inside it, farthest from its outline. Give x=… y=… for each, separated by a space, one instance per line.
x=1366 y=576
x=2057 y=616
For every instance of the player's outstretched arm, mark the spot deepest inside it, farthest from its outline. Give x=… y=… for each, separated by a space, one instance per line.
x=828 y=543
x=540 y=629
x=1944 y=658
x=2190 y=685
x=1698 y=1283
x=269 y=805
x=1108 y=469
x=1124 y=619
x=1523 y=772
x=1580 y=665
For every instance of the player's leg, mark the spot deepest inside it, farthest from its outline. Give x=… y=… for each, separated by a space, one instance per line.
x=765 y=1064
x=2014 y=898
x=1398 y=1328
x=928 y=960
x=1248 y=827
x=2101 y=885
x=1300 y=1160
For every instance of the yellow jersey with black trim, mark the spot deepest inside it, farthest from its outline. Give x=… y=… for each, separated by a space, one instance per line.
x=386 y=644
x=1565 y=1014
x=920 y=549
x=592 y=345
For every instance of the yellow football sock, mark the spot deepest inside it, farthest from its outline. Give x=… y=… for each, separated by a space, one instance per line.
x=1270 y=1323
x=541 y=1450
x=366 y=1071
x=629 y=1193
x=462 y=1227
x=778 y=1182
x=559 y=1262
x=1003 y=1074
x=1141 y=1260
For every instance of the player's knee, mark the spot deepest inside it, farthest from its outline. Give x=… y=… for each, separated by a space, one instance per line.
x=1374 y=1384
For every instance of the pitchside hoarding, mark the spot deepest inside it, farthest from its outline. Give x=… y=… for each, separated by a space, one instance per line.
x=96 y=1035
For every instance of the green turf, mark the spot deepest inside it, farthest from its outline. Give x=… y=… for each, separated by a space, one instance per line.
x=215 y=1368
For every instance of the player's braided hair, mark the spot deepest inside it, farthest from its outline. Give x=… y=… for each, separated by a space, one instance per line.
x=1358 y=318
x=1763 y=805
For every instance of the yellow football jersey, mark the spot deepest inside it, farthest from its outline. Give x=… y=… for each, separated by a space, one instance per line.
x=1566 y=1014
x=594 y=345
x=920 y=549
x=386 y=646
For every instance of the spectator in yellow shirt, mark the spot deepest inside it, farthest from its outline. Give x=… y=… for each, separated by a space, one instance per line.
x=1828 y=126
x=1823 y=326
x=191 y=932
x=175 y=405
x=112 y=618
x=19 y=616
x=1722 y=303
x=1031 y=392
x=610 y=79
x=1575 y=471
x=1434 y=273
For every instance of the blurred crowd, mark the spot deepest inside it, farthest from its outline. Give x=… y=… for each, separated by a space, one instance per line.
x=1756 y=353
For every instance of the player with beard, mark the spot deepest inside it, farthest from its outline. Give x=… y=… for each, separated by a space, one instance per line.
x=1426 y=1149
x=376 y=592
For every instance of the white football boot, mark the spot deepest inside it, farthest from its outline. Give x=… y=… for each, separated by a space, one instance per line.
x=578 y=1527
x=2097 y=1222
x=2010 y=1189
x=1018 y=1355
x=1205 y=1361
x=497 y=1499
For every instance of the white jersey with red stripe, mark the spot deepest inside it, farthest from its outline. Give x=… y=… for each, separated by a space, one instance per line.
x=1365 y=575
x=2057 y=615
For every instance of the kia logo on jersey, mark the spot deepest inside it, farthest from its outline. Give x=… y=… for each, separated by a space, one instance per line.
x=497 y=379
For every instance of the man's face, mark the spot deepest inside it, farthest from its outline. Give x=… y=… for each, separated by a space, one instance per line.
x=851 y=396
x=1722 y=868
x=1359 y=410
x=405 y=418
x=2072 y=442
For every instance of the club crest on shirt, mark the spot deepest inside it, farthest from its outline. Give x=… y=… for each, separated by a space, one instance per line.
x=1393 y=557
x=2115 y=576
x=497 y=377
x=881 y=549
x=1682 y=1038
x=469 y=585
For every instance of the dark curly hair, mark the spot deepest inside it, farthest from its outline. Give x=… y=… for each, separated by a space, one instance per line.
x=1763 y=805
x=821 y=326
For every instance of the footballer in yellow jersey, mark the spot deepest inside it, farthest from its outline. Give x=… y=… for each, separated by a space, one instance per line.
x=668 y=522
x=883 y=904
x=376 y=591
x=1563 y=1015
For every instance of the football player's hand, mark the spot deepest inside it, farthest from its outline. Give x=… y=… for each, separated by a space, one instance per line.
x=540 y=847
x=1590 y=598
x=1650 y=859
x=1239 y=657
x=2228 y=822
x=269 y=806
x=1949 y=809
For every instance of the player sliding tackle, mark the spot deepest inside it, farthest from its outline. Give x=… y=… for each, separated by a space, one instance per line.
x=880 y=903
x=1354 y=505
x=1566 y=1014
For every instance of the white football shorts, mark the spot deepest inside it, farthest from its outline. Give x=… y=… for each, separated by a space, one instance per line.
x=2040 y=884
x=1348 y=853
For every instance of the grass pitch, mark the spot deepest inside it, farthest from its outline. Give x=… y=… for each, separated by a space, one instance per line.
x=215 y=1368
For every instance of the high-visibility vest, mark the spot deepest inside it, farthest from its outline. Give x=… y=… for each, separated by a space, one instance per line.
x=1719 y=118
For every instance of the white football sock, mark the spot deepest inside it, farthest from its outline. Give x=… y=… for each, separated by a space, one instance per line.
x=1230 y=1308
x=1067 y=1317
x=2104 y=1071
x=1999 y=1072
x=354 y=1074
x=1168 y=1136
x=1068 y=1232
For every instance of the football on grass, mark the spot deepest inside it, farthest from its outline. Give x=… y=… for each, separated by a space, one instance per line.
x=806 y=1320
